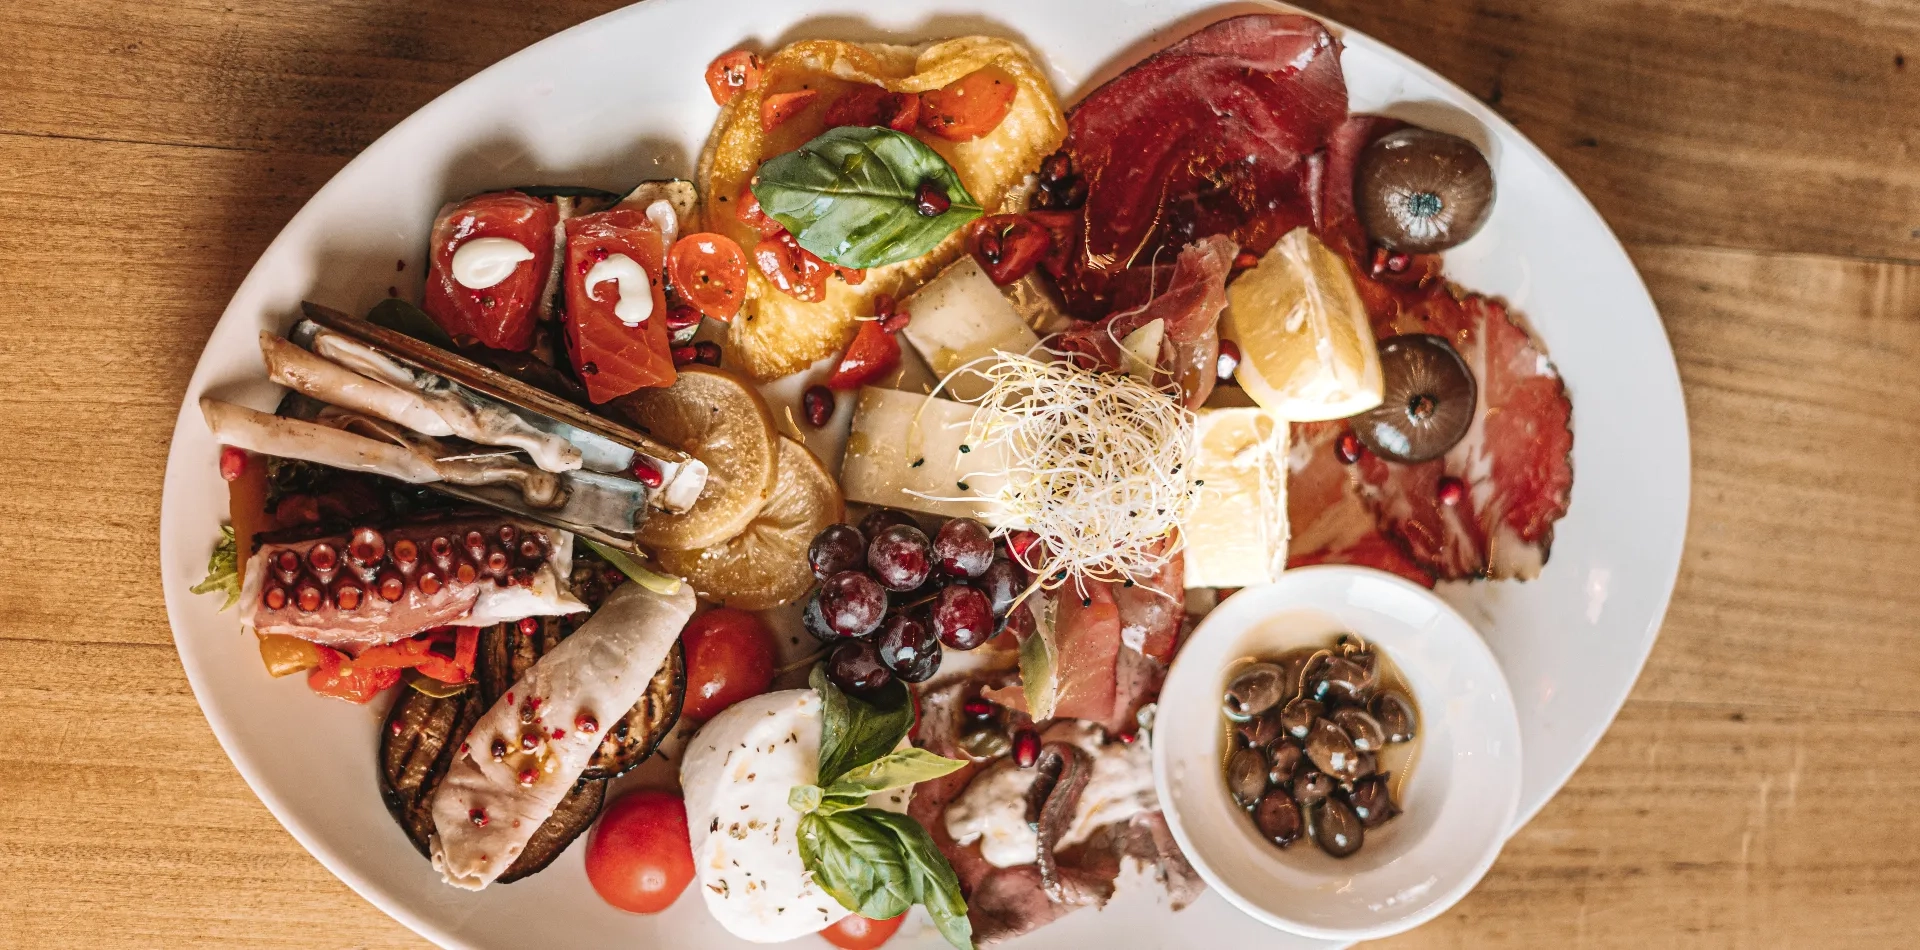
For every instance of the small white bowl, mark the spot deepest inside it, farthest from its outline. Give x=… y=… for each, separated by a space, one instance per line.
x=1460 y=798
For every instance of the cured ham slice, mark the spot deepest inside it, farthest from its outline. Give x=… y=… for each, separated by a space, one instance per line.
x=1189 y=307
x=1212 y=135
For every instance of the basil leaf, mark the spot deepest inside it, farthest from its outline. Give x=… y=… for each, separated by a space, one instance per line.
x=1039 y=662
x=666 y=585
x=851 y=196
x=894 y=770
x=859 y=861
x=223 y=569
x=937 y=887
x=403 y=317
x=855 y=731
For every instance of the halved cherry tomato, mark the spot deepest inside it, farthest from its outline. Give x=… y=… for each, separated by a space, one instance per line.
x=792 y=268
x=640 y=856
x=339 y=677
x=1063 y=227
x=729 y=658
x=709 y=271
x=1008 y=246
x=873 y=105
x=859 y=933
x=501 y=316
x=970 y=106
x=747 y=210
x=873 y=353
x=731 y=74
x=854 y=276
x=782 y=106
x=612 y=358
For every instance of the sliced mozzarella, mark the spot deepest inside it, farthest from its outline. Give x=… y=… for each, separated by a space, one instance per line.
x=736 y=773
x=486 y=808
x=1236 y=532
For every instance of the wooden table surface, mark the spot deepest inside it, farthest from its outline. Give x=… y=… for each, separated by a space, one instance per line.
x=1761 y=159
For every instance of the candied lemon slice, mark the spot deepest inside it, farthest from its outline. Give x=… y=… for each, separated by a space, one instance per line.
x=765 y=565
x=1306 y=348
x=720 y=419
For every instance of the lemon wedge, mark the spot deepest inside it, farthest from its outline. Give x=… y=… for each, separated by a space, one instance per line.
x=1306 y=348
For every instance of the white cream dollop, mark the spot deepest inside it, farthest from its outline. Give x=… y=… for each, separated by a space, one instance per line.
x=633 y=294
x=484 y=262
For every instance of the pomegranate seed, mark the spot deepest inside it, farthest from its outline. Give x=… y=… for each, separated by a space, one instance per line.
x=1019 y=542
x=478 y=817
x=586 y=723
x=1397 y=263
x=682 y=317
x=396 y=728
x=931 y=200
x=1228 y=361
x=528 y=743
x=896 y=321
x=817 y=404
x=1244 y=260
x=1452 y=491
x=1348 y=448
x=682 y=355
x=1129 y=738
x=977 y=709
x=527 y=776
x=646 y=472
x=1026 y=748
x=706 y=352
x=529 y=626
x=233 y=462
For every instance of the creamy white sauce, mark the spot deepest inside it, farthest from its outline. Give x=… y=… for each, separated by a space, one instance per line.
x=633 y=294
x=663 y=216
x=484 y=262
x=993 y=809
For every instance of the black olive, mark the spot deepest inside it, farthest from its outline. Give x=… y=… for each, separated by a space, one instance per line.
x=1285 y=758
x=1310 y=788
x=1396 y=715
x=1337 y=678
x=1419 y=191
x=1360 y=726
x=1427 y=401
x=1372 y=801
x=1336 y=829
x=1255 y=690
x=1297 y=716
x=1279 y=819
x=1247 y=777
x=1260 y=731
x=1332 y=752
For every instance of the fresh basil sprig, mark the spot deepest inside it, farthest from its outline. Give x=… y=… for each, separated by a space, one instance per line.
x=852 y=196
x=875 y=863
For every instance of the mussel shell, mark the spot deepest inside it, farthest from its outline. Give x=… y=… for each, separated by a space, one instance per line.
x=1279 y=819
x=1396 y=714
x=1336 y=829
x=1367 y=733
x=1255 y=690
x=1372 y=800
x=1332 y=751
x=1247 y=777
x=1298 y=715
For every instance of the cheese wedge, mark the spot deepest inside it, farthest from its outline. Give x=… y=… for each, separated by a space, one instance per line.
x=959 y=317
x=904 y=446
x=1237 y=532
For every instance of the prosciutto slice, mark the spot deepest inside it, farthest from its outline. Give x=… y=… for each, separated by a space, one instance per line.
x=1195 y=294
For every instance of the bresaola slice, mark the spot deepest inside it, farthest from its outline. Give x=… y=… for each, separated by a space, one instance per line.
x=526 y=753
x=1213 y=135
x=1188 y=305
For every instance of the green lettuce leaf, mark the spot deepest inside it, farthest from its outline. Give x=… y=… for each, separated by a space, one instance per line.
x=223 y=569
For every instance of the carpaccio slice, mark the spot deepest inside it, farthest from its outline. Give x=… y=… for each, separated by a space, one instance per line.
x=501 y=316
x=375 y=586
x=1213 y=135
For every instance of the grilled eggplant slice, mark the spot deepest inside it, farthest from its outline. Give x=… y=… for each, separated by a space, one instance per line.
x=423 y=734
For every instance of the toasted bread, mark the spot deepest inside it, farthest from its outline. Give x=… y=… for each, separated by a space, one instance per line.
x=775 y=334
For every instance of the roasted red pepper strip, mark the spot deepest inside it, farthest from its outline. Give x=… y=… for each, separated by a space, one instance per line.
x=873 y=354
x=1009 y=246
x=446 y=654
x=340 y=677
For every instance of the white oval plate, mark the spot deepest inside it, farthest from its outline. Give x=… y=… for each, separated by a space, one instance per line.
x=621 y=99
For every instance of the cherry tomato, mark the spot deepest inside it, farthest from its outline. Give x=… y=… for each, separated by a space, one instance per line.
x=1008 y=246
x=782 y=106
x=873 y=105
x=854 y=276
x=612 y=358
x=859 y=933
x=710 y=272
x=747 y=210
x=970 y=106
x=731 y=74
x=640 y=857
x=792 y=268
x=729 y=658
x=873 y=354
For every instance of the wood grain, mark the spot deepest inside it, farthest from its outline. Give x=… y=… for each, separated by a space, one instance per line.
x=1758 y=790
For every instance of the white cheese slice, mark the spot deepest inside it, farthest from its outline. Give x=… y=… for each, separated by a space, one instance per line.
x=961 y=316
x=1237 y=531
x=736 y=773
x=904 y=443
